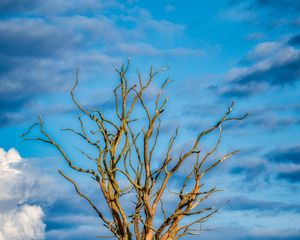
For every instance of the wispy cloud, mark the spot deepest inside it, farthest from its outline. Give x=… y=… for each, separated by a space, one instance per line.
x=43 y=44
x=266 y=13
x=267 y=65
x=261 y=206
x=285 y=155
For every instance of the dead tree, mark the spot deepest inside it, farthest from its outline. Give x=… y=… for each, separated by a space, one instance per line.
x=125 y=151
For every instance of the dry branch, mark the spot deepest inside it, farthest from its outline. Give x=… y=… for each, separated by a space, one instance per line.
x=127 y=152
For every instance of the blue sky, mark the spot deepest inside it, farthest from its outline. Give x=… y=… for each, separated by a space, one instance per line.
x=217 y=50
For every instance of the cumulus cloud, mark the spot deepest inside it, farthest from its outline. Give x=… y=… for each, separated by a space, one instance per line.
x=25 y=222
x=20 y=184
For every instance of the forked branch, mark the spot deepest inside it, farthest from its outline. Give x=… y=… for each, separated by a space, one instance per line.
x=125 y=155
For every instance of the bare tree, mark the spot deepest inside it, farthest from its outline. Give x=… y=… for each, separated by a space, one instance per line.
x=124 y=151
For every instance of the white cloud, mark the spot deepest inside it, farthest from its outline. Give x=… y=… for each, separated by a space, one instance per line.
x=267 y=62
x=81 y=232
x=170 y=8
x=7 y=159
x=143 y=49
x=18 y=184
x=263 y=50
x=265 y=56
x=22 y=223
x=273 y=52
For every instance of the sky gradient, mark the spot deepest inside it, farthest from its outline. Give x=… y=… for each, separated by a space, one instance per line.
x=218 y=51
